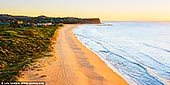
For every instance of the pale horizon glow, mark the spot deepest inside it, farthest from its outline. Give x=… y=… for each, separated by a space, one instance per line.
x=106 y=10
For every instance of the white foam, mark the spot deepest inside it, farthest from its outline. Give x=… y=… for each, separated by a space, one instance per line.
x=130 y=48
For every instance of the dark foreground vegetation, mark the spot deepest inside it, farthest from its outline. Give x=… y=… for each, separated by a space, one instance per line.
x=21 y=46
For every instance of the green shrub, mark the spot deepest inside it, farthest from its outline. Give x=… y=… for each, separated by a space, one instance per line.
x=21 y=46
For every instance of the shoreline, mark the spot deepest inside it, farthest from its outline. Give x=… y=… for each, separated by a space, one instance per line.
x=100 y=67
x=73 y=63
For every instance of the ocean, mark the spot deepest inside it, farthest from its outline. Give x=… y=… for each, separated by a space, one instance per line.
x=138 y=51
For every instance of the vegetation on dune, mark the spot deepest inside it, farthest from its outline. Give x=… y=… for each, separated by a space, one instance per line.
x=20 y=47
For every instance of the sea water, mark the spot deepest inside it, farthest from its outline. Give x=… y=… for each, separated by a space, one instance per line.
x=138 y=51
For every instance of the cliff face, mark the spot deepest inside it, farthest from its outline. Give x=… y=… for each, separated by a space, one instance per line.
x=90 y=21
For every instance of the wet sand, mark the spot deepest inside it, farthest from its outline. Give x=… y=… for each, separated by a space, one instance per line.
x=71 y=64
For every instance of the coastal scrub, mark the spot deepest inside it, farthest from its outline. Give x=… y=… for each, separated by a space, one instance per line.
x=20 y=47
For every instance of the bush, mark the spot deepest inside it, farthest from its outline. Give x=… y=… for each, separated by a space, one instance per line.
x=21 y=46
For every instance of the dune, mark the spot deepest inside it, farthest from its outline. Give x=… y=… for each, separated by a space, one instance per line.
x=71 y=64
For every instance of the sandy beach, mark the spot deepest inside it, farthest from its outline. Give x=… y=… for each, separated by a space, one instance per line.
x=71 y=64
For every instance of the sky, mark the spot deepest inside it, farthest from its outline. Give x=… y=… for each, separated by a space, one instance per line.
x=106 y=10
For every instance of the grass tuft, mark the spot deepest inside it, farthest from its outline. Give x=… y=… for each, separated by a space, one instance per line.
x=21 y=46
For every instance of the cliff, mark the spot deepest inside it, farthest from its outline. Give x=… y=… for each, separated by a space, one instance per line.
x=90 y=21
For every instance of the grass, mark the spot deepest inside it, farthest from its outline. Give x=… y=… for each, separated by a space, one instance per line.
x=20 y=47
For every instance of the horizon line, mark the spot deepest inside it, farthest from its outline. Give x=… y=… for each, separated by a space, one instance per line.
x=85 y=17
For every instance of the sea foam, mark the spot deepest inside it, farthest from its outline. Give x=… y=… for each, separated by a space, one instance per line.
x=138 y=51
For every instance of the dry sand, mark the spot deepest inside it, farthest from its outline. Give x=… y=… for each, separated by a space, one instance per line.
x=72 y=64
